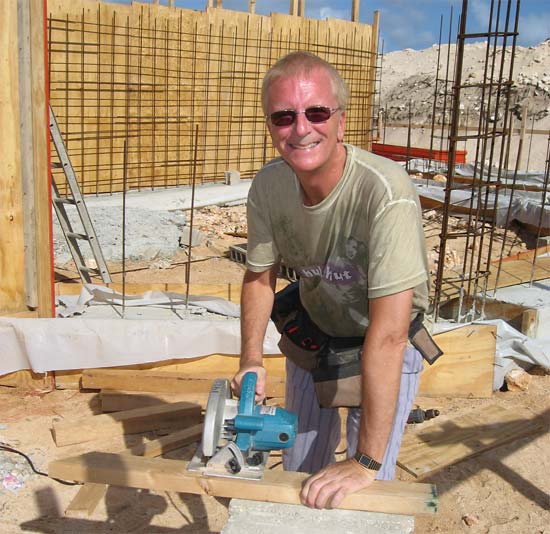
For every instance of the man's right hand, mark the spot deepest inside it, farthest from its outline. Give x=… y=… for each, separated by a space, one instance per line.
x=260 y=382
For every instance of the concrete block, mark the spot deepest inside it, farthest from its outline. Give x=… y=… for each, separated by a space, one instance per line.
x=196 y=240
x=252 y=517
x=232 y=177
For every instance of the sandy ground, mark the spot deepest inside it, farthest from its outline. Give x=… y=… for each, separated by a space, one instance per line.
x=505 y=490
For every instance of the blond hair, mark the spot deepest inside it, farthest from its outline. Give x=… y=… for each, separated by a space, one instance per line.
x=302 y=62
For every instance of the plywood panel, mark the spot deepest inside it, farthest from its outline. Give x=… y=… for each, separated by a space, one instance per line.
x=466 y=367
x=448 y=442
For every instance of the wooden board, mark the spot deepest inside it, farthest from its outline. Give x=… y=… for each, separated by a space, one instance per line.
x=12 y=255
x=116 y=401
x=276 y=486
x=89 y=495
x=449 y=442
x=113 y=400
x=137 y=380
x=466 y=367
x=180 y=414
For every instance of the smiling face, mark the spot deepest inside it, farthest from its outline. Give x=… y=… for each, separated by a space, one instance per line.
x=312 y=150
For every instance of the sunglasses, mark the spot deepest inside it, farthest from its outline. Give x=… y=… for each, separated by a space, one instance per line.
x=314 y=114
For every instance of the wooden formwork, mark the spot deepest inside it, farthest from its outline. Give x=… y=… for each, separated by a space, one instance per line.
x=183 y=87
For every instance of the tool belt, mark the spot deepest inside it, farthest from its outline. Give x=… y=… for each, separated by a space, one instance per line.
x=334 y=362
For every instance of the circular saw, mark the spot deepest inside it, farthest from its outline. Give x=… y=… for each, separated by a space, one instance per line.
x=238 y=434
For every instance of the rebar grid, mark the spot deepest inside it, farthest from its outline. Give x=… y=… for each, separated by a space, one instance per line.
x=493 y=126
x=151 y=77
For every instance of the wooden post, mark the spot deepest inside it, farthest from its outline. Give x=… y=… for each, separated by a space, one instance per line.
x=218 y=3
x=355 y=10
x=252 y=6
x=301 y=8
x=294 y=7
x=42 y=258
x=25 y=221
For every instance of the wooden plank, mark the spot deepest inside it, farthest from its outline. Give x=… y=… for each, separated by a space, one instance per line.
x=466 y=367
x=40 y=158
x=128 y=422
x=224 y=364
x=117 y=401
x=276 y=486
x=89 y=495
x=445 y=443
x=137 y=380
x=86 y=499
x=12 y=256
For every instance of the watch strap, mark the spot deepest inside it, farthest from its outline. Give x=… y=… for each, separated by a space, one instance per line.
x=367 y=462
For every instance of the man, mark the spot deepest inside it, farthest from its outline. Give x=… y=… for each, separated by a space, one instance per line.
x=349 y=223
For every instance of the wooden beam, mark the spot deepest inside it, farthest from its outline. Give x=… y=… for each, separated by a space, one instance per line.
x=294 y=8
x=445 y=443
x=129 y=422
x=394 y=497
x=137 y=380
x=466 y=367
x=355 y=4
x=43 y=260
x=12 y=258
x=117 y=401
x=89 y=495
x=113 y=400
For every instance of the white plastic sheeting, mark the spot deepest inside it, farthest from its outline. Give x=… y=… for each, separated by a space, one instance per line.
x=61 y=344
x=85 y=342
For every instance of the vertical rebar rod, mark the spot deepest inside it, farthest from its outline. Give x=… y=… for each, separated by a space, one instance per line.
x=98 y=99
x=124 y=180
x=451 y=158
x=166 y=114
x=436 y=91
x=154 y=108
x=83 y=88
x=542 y=210
x=139 y=123
x=190 y=243
x=178 y=98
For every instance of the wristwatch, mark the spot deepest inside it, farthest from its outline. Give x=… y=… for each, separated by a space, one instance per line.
x=367 y=462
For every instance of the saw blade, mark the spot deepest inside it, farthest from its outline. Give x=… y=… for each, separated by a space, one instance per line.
x=214 y=415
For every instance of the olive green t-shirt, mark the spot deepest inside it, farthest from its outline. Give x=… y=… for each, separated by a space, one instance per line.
x=365 y=240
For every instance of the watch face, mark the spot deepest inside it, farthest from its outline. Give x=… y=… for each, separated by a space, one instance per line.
x=367 y=462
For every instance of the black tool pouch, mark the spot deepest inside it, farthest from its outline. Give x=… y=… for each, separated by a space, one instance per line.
x=301 y=339
x=334 y=362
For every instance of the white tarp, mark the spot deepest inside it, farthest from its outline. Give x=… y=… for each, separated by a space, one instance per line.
x=86 y=342
x=76 y=343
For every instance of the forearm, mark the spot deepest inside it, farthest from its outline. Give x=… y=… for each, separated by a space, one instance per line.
x=256 y=305
x=381 y=371
x=382 y=363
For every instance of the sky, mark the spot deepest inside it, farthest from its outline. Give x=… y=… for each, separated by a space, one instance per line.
x=408 y=23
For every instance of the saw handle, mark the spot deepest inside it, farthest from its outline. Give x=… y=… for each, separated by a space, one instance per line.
x=248 y=393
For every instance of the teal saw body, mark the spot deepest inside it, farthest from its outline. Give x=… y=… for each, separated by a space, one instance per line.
x=239 y=434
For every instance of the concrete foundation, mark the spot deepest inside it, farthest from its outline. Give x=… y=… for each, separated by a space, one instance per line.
x=253 y=517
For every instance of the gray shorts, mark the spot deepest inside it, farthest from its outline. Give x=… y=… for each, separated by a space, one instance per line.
x=319 y=428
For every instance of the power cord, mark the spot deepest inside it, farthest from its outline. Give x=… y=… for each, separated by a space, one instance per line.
x=7 y=448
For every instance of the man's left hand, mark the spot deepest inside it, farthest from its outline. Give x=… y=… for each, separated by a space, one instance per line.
x=328 y=487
